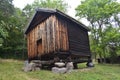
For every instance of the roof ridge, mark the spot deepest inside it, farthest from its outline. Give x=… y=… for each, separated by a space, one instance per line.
x=56 y=11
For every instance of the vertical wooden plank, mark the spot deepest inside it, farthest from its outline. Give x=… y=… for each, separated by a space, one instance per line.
x=51 y=34
x=54 y=32
x=36 y=37
x=63 y=35
x=60 y=34
x=66 y=36
x=42 y=37
x=45 y=37
x=30 y=45
x=35 y=40
x=57 y=42
x=48 y=35
x=59 y=37
x=67 y=41
x=40 y=40
x=62 y=31
x=33 y=43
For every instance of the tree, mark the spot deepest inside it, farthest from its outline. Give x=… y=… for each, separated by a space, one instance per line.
x=53 y=4
x=12 y=23
x=3 y=32
x=15 y=40
x=111 y=39
x=100 y=14
x=6 y=10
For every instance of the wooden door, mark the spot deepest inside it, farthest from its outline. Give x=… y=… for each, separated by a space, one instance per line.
x=39 y=47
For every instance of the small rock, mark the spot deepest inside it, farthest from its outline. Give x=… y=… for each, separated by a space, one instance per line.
x=37 y=68
x=90 y=64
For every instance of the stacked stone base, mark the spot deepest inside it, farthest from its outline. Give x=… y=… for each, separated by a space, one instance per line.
x=31 y=66
x=61 y=67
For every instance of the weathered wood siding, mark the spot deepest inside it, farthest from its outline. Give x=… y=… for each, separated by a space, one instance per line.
x=47 y=37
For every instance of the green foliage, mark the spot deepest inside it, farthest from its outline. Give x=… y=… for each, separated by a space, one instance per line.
x=101 y=14
x=1 y=42
x=112 y=40
x=12 y=23
x=112 y=35
x=6 y=10
x=3 y=32
x=15 y=38
x=54 y=4
x=97 y=10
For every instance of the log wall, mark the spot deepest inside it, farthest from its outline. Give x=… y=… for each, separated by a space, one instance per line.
x=78 y=40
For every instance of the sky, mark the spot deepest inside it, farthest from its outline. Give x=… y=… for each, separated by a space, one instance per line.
x=71 y=10
x=72 y=5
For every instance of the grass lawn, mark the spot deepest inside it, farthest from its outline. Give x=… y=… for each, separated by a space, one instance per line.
x=11 y=70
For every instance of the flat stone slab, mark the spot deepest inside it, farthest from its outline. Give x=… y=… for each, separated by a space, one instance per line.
x=59 y=64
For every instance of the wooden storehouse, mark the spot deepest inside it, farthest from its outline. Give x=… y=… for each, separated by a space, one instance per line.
x=53 y=35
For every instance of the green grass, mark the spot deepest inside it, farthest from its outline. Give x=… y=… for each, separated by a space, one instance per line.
x=12 y=70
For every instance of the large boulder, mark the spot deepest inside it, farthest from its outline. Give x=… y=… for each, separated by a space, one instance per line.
x=59 y=70
x=31 y=66
x=69 y=66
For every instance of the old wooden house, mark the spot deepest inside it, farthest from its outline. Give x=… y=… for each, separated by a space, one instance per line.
x=53 y=35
